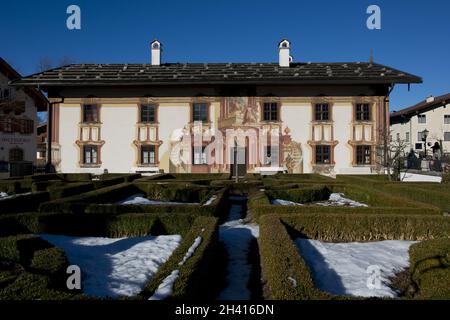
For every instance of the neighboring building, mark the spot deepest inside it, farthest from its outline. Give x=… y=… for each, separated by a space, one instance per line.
x=294 y=117
x=432 y=114
x=18 y=119
x=41 y=152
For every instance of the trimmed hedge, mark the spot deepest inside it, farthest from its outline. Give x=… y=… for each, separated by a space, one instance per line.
x=380 y=203
x=72 y=189
x=430 y=269
x=194 y=280
x=15 y=186
x=301 y=195
x=366 y=227
x=23 y=202
x=281 y=264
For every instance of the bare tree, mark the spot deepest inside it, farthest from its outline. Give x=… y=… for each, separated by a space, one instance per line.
x=391 y=155
x=66 y=60
x=45 y=63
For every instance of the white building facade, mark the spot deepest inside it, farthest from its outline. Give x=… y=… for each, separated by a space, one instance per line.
x=286 y=116
x=431 y=115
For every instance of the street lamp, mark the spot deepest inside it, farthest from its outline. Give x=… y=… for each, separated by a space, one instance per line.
x=424 y=138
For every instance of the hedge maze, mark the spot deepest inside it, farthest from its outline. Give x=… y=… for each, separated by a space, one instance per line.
x=83 y=205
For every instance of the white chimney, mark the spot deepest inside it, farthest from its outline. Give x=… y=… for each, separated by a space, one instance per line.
x=285 y=48
x=156 y=52
x=430 y=99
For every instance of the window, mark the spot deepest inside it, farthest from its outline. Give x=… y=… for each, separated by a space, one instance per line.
x=446 y=118
x=363 y=155
x=407 y=136
x=199 y=155
x=421 y=118
x=90 y=113
x=15 y=154
x=90 y=154
x=200 y=112
x=148 y=154
x=148 y=113
x=398 y=136
x=418 y=146
x=270 y=111
x=322 y=154
x=362 y=112
x=4 y=94
x=447 y=136
x=420 y=136
x=322 y=112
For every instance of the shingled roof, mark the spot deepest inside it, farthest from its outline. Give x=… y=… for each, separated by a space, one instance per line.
x=218 y=73
x=420 y=107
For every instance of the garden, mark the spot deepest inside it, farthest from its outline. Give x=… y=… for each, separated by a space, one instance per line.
x=195 y=236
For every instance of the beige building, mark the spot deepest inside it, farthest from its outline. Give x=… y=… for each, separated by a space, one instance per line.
x=432 y=115
x=18 y=120
x=198 y=117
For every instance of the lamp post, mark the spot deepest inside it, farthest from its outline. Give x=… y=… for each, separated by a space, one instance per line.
x=424 y=138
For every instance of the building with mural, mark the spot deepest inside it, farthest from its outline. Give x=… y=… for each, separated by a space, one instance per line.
x=288 y=116
x=18 y=120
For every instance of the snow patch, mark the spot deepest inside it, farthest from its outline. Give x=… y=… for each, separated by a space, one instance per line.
x=116 y=267
x=140 y=199
x=165 y=289
x=414 y=177
x=237 y=235
x=191 y=250
x=210 y=200
x=351 y=268
x=335 y=200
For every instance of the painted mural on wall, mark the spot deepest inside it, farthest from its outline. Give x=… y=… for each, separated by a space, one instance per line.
x=292 y=153
x=241 y=114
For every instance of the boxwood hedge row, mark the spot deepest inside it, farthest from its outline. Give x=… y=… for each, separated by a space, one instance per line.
x=195 y=279
x=430 y=269
x=288 y=277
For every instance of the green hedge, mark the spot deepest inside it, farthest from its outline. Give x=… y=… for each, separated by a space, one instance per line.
x=301 y=195
x=15 y=186
x=44 y=185
x=77 y=204
x=281 y=259
x=195 y=278
x=21 y=248
x=367 y=227
x=420 y=194
x=72 y=189
x=100 y=225
x=23 y=202
x=430 y=269
x=379 y=203
x=281 y=262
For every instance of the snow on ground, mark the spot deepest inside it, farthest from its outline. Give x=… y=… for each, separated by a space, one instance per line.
x=352 y=268
x=335 y=200
x=210 y=200
x=165 y=289
x=116 y=267
x=415 y=177
x=236 y=235
x=4 y=195
x=140 y=199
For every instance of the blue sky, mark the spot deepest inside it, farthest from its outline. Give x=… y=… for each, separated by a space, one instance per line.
x=414 y=35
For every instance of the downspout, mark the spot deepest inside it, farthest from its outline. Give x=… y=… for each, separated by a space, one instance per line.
x=48 y=166
x=387 y=124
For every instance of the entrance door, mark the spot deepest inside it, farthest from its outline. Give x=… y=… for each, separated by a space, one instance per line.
x=239 y=153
